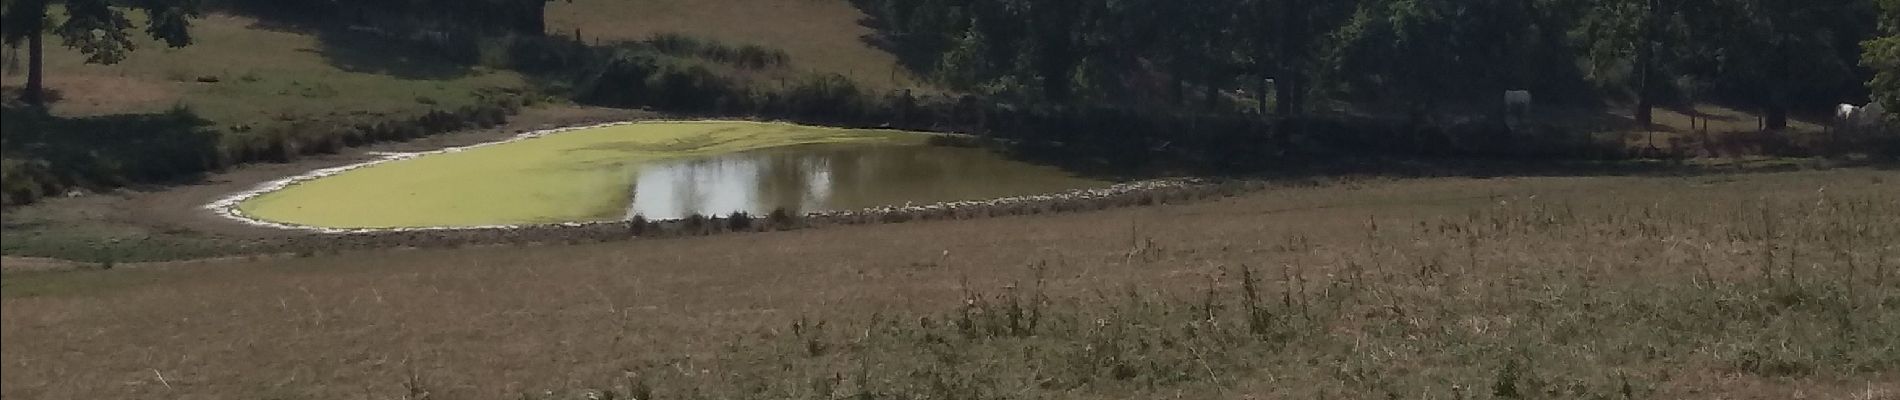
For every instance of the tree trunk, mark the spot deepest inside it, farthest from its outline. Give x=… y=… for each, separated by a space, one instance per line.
x=1260 y=93
x=35 y=94
x=1645 y=55
x=1263 y=67
x=1778 y=98
x=1777 y=117
x=535 y=22
x=1285 y=84
x=1211 y=92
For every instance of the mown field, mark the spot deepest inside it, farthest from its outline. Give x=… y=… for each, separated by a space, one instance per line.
x=1732 y=286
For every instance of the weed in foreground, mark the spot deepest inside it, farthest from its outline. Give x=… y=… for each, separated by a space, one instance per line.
x=1517 y=301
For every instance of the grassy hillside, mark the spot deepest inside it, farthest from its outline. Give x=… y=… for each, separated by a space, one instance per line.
x=263 y=75
x=1764 y=286
x=823 y=36
x=267 y=74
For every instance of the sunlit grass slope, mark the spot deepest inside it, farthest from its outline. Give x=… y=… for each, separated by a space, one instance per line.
x=241 y=72
x=574 y=176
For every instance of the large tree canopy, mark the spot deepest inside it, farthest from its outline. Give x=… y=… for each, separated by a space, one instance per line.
x=1777 y=56
x=96 y=28
x=1883 y=56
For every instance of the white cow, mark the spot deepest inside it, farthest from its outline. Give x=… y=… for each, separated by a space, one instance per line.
x=1852 y=116
x=1517 y=107
x=1860 y=119
x=1517 y=102
x=1872 y=114
x=1845 y=113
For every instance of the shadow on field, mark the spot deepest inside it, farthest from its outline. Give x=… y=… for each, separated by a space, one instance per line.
x=43 y=154
x=370 y=51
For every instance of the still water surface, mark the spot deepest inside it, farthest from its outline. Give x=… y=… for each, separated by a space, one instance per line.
x=824 y=177
x=662 y=170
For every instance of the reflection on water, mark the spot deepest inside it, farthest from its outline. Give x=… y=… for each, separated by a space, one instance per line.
x=811 y=178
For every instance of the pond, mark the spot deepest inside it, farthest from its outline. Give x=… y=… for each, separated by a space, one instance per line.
x=659 y=170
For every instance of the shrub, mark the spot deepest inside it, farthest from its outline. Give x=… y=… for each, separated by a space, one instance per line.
x=954 y=141
x=23 y=181
x=687 y=88
x=780 y=219
x=106 y=150
x=619 y=81
x=117 y=150
x=757 y=57
x=830 y=97
x=674 y=44
x=637 y=225
x=749 y=56
x=695 y=224
x=739 y=222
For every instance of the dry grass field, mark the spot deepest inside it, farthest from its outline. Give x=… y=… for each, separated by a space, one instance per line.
x=1756 y=286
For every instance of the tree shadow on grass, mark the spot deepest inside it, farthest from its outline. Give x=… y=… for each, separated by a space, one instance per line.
x=419 y=56
x=46 y=155
x=915 y=53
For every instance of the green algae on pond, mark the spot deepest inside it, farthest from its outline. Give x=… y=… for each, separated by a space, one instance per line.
x=659 y=170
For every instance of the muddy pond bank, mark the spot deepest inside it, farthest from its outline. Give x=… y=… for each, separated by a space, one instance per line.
x=644 y=169
x=1143 y=193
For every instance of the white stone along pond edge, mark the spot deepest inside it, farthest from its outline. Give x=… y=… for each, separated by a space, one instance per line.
x=227 y=206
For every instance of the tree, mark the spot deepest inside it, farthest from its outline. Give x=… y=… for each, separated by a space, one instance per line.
x=94 y=28
x=1291 y=42
x=1628 y=35
x=1784 y=54
x=1053 y=25
x=1646 y=63
x=1882 y=54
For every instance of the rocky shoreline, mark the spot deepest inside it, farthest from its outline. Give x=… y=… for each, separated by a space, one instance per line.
x=321 y=240
x=1131 y=194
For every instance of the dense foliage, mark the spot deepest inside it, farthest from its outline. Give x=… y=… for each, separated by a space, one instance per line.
x=1883 y=56
x=93 y=27
x=1110 y=84
x=1404 y=55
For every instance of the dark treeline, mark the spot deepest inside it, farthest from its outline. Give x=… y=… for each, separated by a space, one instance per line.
x=1418 y=56
x=1113 y=86
x=46 y=155
x=1883 y=55
x=1137 y=85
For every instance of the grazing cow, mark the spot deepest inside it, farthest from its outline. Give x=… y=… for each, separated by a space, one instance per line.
x=1844 y=116
x=1517 y=102
x=1872 y=114
x=1845 y=112
x=1517 y=106
x=1851 y=117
